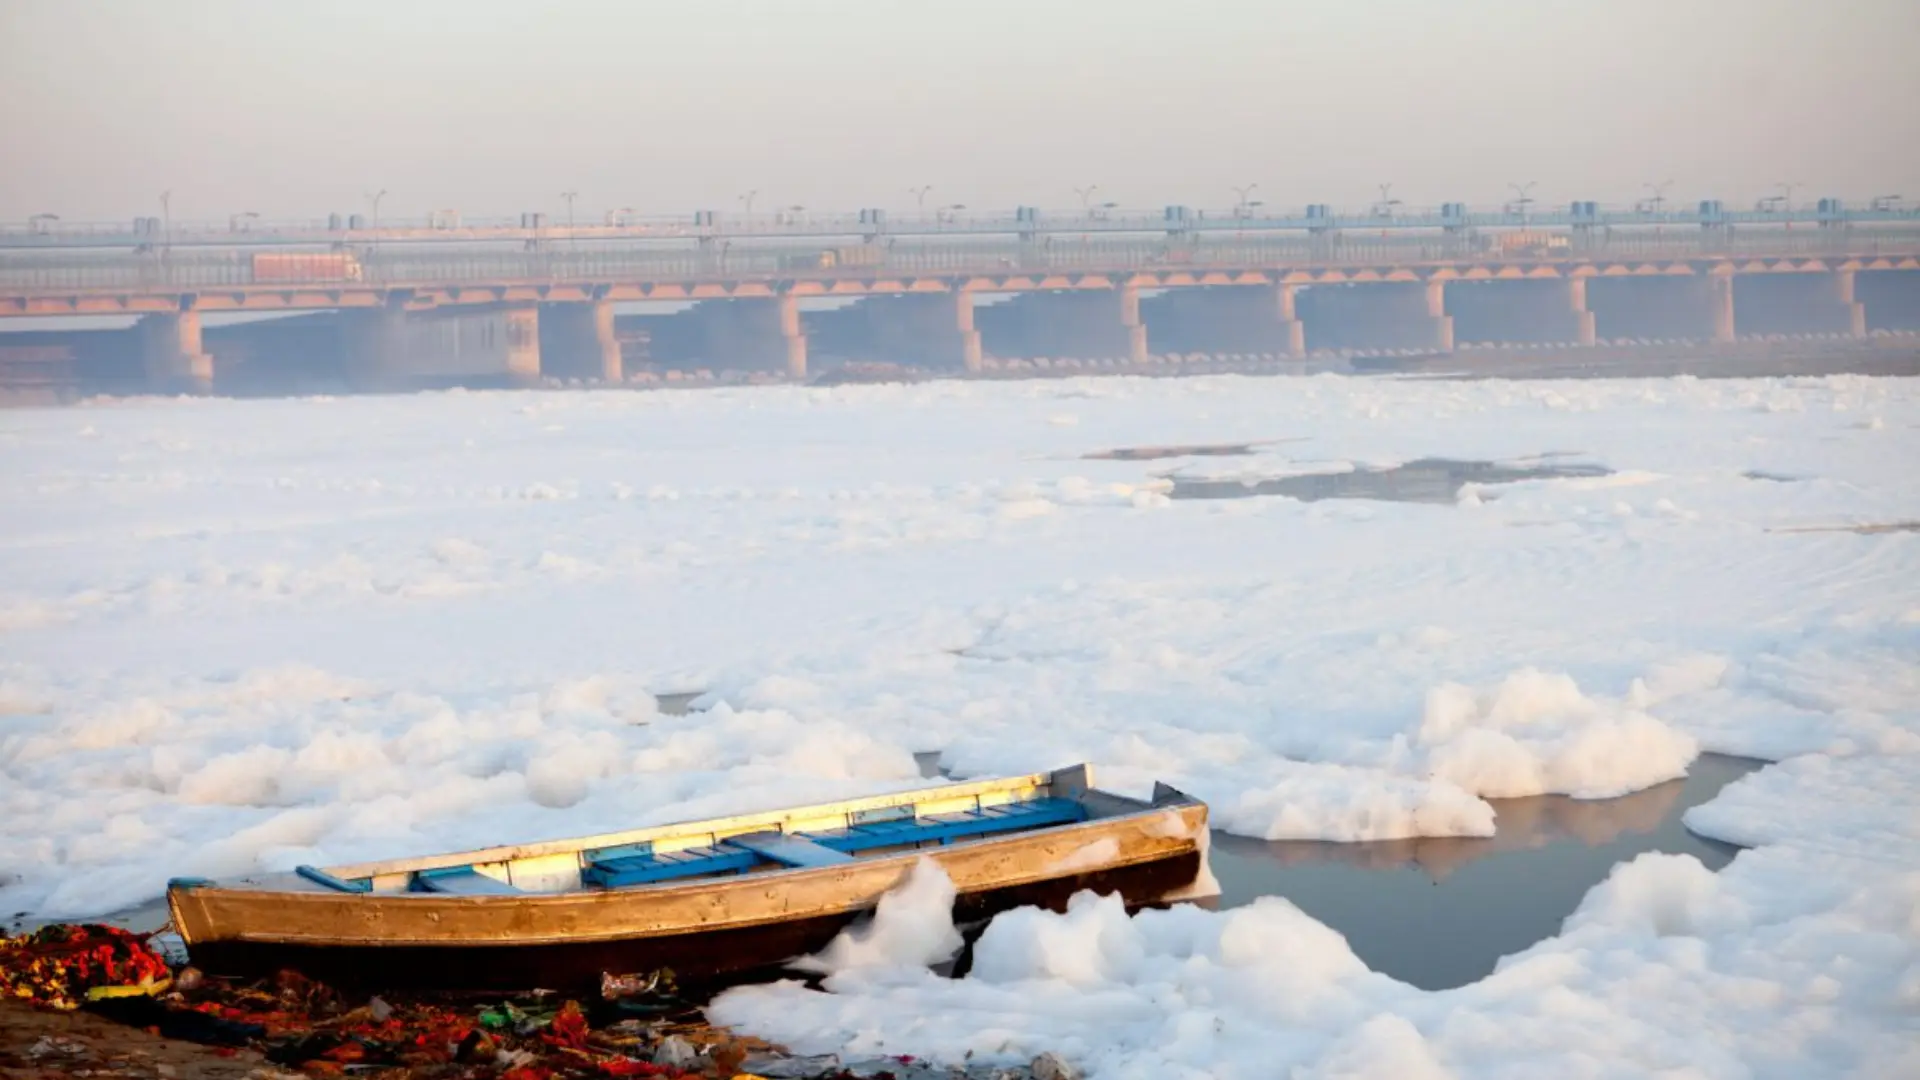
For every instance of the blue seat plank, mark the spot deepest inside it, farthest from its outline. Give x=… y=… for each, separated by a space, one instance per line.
x=790 y=850
x=646 y=869
x=1009 y=817
x=321 y=877
x=462 y=881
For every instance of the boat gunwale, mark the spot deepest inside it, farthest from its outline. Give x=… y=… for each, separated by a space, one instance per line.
x=733 y=824
x=702 y=895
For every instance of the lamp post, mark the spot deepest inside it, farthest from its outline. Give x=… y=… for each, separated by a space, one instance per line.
x=746 y=200
x=1086 y=197
x=1659 y=197
x=920 y=196
x=1522 y=199
x=573 y=240
x=1240 y=201
x=1384 y=208
x=166 y=228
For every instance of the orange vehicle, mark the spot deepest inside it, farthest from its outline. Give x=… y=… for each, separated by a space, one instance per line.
x=305 y=266
x=1529 y=244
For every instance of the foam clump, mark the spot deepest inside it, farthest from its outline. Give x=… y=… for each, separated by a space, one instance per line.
x=1119 y=995
x=911 y=927
x=1317 y=801
x=1536 y=733
x=1658 y=894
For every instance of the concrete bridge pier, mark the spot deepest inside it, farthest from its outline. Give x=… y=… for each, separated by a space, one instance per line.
x=173 y=354
x=1531 y=311
x=577 y=341
x=1442 y=329
x=1227 y=319
x=1094 y=324
x=1720 y=296
x=386 y=348
x=763 y=333
x=1385 y=315
x=928 y=329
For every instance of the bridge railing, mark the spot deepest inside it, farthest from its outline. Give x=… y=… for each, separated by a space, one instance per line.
x=201 y=269
x=49 y=233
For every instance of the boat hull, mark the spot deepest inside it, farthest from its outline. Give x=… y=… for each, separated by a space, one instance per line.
x=717 y=928
x=700 y=958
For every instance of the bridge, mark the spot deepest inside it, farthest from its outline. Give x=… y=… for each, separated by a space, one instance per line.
x=447 y=299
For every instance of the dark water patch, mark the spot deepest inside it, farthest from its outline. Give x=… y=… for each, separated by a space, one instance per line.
x=677 y=704
x=1439 y=912
x=1868 y=529
x=1427 y=480
x=1778 y=478
x=1152 y=453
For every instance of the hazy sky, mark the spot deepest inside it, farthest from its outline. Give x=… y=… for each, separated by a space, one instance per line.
x=496 y=106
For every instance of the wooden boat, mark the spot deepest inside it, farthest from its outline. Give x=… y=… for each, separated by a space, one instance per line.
x=711 y=900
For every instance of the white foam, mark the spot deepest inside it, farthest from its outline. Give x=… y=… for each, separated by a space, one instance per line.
x=911 y=928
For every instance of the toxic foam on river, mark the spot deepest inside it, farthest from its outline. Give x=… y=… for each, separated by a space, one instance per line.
x=237 y=635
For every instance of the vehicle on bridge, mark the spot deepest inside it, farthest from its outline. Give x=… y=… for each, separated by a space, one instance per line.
x=833 y=258
x=305 y=266
x=1526 y=244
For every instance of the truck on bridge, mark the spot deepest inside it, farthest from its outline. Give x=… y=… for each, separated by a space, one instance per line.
x=860 y=255
x=300 y=267
x=1526 y=243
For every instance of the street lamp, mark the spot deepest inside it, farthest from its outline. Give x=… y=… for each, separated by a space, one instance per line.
x=1384 y=208
x=1522 y=199
x=1659 y=197
x=166 y=224
x=42 y=223
x=1086 y=197
x=374 y=198
x=1786 y=193
x=1240 y=204
x=747 y=200
x=572 y=239
x=920 y=196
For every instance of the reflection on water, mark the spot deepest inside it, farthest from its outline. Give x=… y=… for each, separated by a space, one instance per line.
x=1439 y=912
x=1428 y=480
